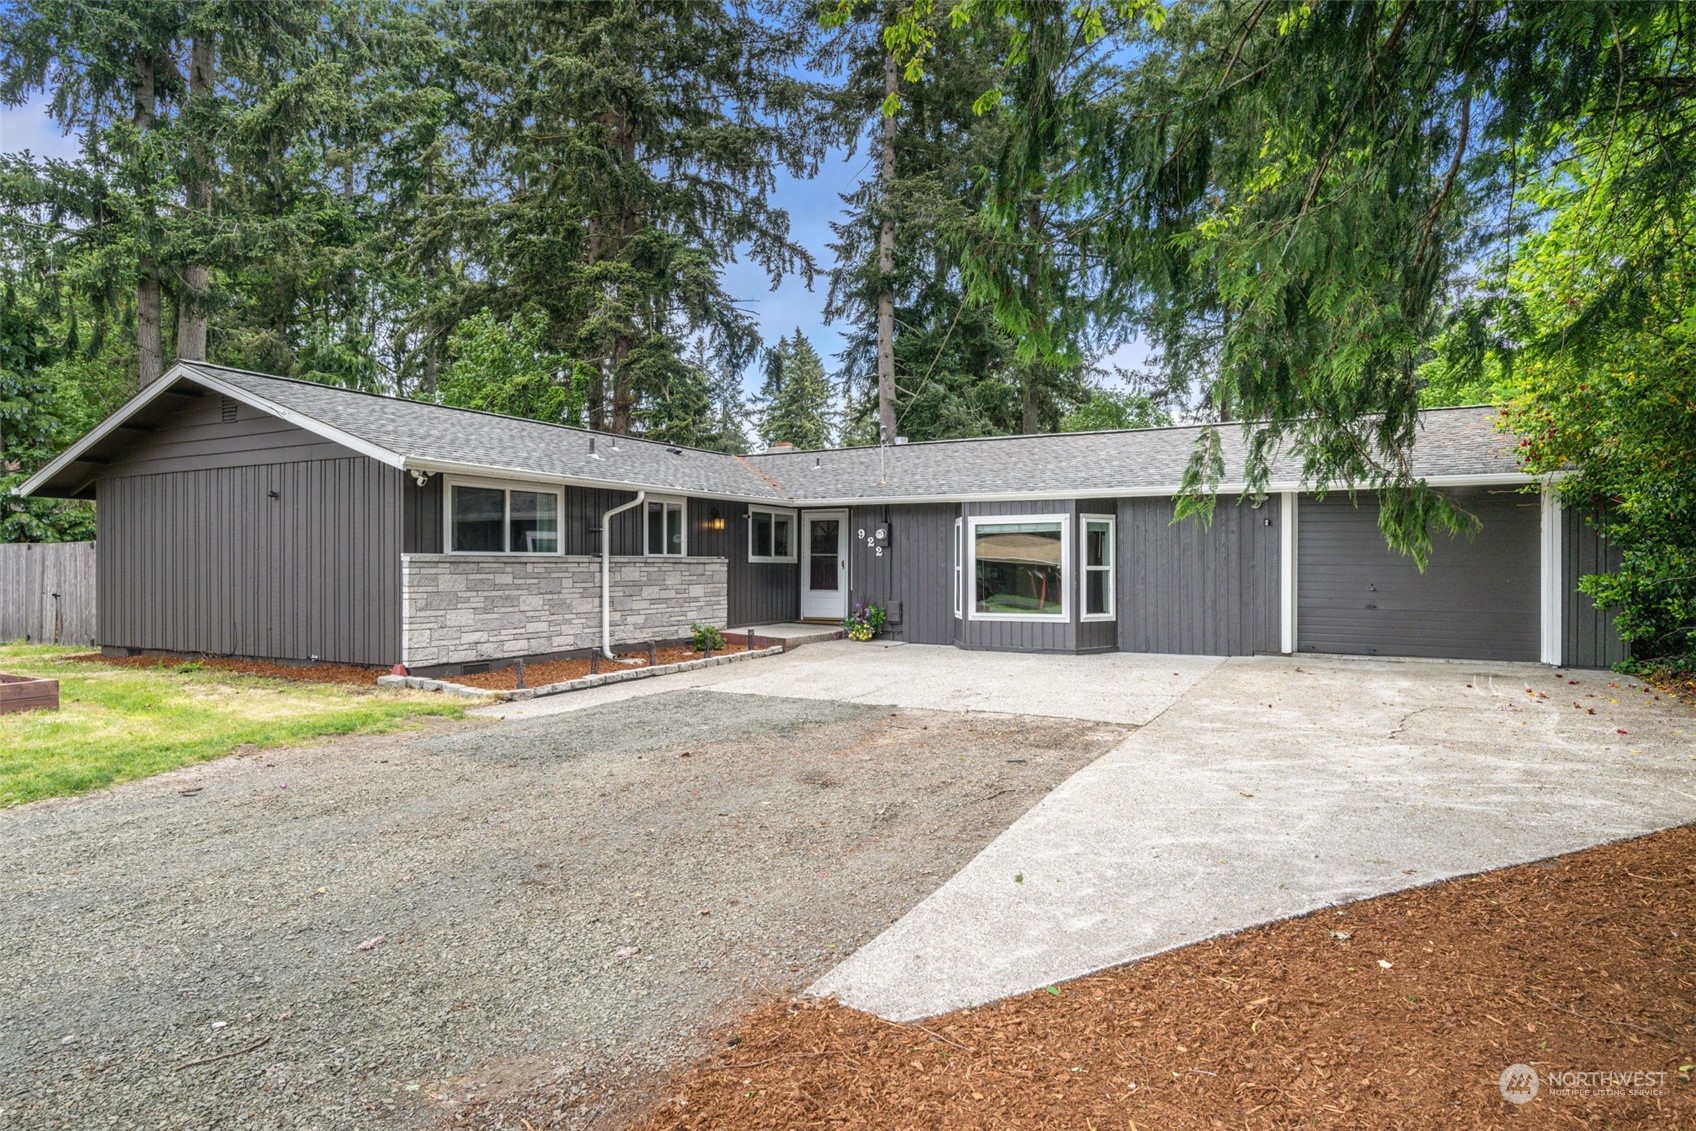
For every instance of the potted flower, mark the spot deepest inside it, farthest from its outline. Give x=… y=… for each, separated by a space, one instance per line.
x=864 y=621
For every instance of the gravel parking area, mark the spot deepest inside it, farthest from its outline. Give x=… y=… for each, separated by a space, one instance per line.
x=400 y=931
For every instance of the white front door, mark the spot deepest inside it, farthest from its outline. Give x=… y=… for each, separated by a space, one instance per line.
x=824 y=565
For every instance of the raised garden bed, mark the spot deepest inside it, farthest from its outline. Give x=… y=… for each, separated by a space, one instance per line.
x=26 y=693
x=611 y=672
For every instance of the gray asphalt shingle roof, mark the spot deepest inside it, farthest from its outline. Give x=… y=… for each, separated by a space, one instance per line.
x=427 y=432
x=1452 y=442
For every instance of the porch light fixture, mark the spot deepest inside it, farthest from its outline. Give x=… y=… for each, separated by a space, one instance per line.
x=715 y=520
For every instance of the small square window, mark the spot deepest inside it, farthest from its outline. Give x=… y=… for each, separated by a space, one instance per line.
x=771 y=535
x=665 y=535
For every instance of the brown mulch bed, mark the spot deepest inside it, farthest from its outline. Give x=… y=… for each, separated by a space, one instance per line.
x=303 y=673
x=1679 y=685
x=540 y=673
x=1401 y=1011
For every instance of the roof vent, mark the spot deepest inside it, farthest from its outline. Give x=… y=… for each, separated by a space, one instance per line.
x=780 y=446
x=900 y=439
x=227 y=409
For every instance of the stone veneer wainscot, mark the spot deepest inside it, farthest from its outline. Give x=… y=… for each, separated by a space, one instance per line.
x=468 y=608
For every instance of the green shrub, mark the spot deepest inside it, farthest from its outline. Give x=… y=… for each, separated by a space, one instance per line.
x=704 y=636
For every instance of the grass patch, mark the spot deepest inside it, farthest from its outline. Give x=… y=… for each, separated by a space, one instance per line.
x=117 y=724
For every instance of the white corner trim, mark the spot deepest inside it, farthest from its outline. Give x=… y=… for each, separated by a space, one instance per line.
x=1287 y=504
x=1550 y=575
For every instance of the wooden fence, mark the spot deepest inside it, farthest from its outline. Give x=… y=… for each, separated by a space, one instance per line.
x=47 y=592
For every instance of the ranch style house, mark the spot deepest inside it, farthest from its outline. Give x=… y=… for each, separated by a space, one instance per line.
x=256 y=516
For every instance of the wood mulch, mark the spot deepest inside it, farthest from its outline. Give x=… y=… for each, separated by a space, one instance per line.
x=1681 y=685
x=1401 y=1011
x=540 y=673
x=348 y=674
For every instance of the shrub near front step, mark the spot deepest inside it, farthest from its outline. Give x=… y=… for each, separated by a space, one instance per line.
x=864 y=621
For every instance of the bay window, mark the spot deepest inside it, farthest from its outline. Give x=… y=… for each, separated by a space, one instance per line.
x=1098 y=551
x=1020 y=567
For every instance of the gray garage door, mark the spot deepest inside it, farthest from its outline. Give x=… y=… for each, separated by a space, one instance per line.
x=1477 y=600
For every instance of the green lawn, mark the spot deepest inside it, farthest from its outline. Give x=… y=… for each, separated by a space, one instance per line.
x=116 y=724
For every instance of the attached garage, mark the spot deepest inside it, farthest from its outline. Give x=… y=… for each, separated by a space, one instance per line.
x=1478 y=599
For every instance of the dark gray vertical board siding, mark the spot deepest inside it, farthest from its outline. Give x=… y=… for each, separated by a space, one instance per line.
x=191 y=434
x=923 y=549
x=422 y=530
x=1022 y=635
x=1477 y=600
x=1589 y=638
x=914 y=576
x=758 y=592
x=209 y=561
x=1195 y=589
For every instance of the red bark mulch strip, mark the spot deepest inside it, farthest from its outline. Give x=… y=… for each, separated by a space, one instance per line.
x=1679 y=685
x=1401 y=1011
x=302 y=673
x=540 y=673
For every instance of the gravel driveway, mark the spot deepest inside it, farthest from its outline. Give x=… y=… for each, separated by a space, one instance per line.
x=398 y=931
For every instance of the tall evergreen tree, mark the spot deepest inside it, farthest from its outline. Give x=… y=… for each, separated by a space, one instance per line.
x=953 y=367
x=794 y=400
x=628 y=149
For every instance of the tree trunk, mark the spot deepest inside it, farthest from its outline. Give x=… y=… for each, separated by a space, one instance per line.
x=1030 y=397
x=622 y=401
x=886 y=266
x=197 y=187
x=149 y=342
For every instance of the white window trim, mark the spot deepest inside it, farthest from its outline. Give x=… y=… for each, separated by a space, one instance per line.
x=793 y=555
x=1111 y=569
x=959 y=568
x=507 y=486
x=668 y=500
x=1064 y=616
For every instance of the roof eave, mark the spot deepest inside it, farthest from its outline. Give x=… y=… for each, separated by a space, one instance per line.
x=1169 y=490
x=431 y=466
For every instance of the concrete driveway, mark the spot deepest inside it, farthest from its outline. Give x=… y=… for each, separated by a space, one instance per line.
x=1277 y=786
x=1256 y=789
x=1111 y=687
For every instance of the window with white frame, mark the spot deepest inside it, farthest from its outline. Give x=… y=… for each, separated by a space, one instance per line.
x=1098 y=552
x=487 y=519
x=771 y=535
x=959 y=568
x=665 y=528
x=1020 y=567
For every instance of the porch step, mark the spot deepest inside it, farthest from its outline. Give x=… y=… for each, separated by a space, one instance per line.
x=791 y=634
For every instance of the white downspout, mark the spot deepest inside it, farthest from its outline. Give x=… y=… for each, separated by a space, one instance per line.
x=606 y=572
